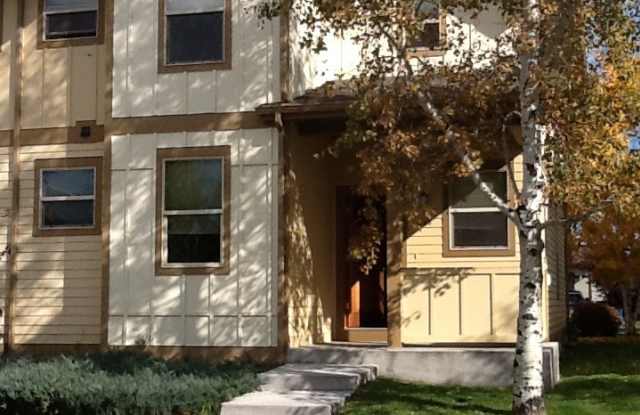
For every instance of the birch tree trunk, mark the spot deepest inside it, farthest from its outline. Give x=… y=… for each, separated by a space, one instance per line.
x=528 y=378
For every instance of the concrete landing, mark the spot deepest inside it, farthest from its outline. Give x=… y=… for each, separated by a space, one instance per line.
x=302 y=389
x=465 y=366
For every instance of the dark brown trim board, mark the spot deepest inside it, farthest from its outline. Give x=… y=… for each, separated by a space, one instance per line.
x=65 y=43
x=14 y=171
x=6 y=136
x=189 y=123
x=223 y=152
x=225 y=64
x=83 y=132
x=62 y=163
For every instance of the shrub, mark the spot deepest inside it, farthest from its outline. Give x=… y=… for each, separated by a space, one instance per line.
x=119 y=383
x=595 y=320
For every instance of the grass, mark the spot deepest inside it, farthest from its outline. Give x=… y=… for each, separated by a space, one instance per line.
x=598 y=378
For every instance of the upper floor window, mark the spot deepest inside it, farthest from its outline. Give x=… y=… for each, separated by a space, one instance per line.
x=67 y=197
x=195 y=35
x=70 y=19
x=474 y=225
x=431 y=37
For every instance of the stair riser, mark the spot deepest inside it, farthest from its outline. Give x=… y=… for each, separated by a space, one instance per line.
x=276 y=410
x=279 y=383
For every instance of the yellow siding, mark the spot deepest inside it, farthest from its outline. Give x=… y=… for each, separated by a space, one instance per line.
x=5 y=209
x=556 y=316
x=457 y=299
x=58 y=290
x=7 y=87
x=60 y=86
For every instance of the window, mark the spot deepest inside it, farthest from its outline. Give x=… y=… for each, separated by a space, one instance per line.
x=67 y=197
x=193 y=215
x=194 y=35
x=473 y=224
x=432 y=35
x=70 y=19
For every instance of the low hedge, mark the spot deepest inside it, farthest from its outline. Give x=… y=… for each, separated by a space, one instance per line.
x=595 y=320
x=119 y=383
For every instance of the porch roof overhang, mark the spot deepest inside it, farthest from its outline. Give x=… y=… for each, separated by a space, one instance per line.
x=299 y=109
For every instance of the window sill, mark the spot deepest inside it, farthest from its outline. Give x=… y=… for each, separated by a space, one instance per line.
x=421 y=52
x=178 y=271
x=475 y=253
x=194 y=67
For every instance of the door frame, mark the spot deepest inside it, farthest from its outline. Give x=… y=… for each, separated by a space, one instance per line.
x=341 y=332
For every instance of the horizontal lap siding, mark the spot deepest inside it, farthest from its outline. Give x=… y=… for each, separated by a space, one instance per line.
x=457 y=299
x=59 y=285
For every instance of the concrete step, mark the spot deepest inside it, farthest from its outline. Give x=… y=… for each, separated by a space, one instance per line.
x=289 y=403
x=316 y=377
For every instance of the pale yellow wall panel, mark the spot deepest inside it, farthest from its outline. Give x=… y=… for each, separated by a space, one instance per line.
x=476 y=306
x=101 y=74
x=505 y=305
x=57 y=320
x=57 y=293
x=65 y=311
x=88 y=148
x=95 y=255
x=445 y=307
x=57 y=274
x=56 y=330
x=57 y=265
x=58 y=302
x=44 y=284
x=56 y=87
x=84 y=82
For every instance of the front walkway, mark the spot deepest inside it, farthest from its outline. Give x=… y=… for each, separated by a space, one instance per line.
x=302 y=389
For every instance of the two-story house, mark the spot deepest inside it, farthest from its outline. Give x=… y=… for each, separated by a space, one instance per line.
x=159 y=187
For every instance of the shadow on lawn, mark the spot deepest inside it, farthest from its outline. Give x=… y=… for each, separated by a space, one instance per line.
x=604 y=388
x=384 y=397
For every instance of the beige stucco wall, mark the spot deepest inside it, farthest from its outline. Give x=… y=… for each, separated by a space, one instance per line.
x=139 y=90
x=60 y=86
x=238 y=309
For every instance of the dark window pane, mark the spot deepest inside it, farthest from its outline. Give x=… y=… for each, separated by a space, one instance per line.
x=193 y=184
x=428 y=9
x=193 y=239
x=67 y=214
x=465 y=194
x=429 y=37
x=56 y=183
x=479 y=230
x=195 y=37
x=71 y=25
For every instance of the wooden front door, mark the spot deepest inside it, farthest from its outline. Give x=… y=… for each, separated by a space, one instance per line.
x=362 y=296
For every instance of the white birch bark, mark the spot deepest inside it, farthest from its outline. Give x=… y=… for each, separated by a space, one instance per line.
x=528 y=381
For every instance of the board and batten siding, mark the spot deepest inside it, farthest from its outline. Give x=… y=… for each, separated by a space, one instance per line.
x=60 y=86
x=452 y=300
x=59 y=283
x=5 y=212
x=139 y=90
x=556 y=284
x=236 y=309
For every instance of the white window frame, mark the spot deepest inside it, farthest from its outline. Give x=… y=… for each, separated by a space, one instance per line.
x=64 y=35
x=44 y=199
x=452 y=224
x=167 y=14
x=203 y=212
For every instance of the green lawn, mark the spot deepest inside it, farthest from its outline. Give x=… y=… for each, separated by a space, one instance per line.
x=597 y=379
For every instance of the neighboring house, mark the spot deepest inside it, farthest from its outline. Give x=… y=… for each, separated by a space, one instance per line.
x=159 y=187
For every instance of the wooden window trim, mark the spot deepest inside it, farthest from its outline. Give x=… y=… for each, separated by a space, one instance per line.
x=69 y=163
x=425 y=52
x=98 y=39
x=448 y=252
x=222 y=152
x=224 y=65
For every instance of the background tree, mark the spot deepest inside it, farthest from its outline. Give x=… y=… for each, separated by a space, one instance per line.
x=564 y=71
x=608 y=245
